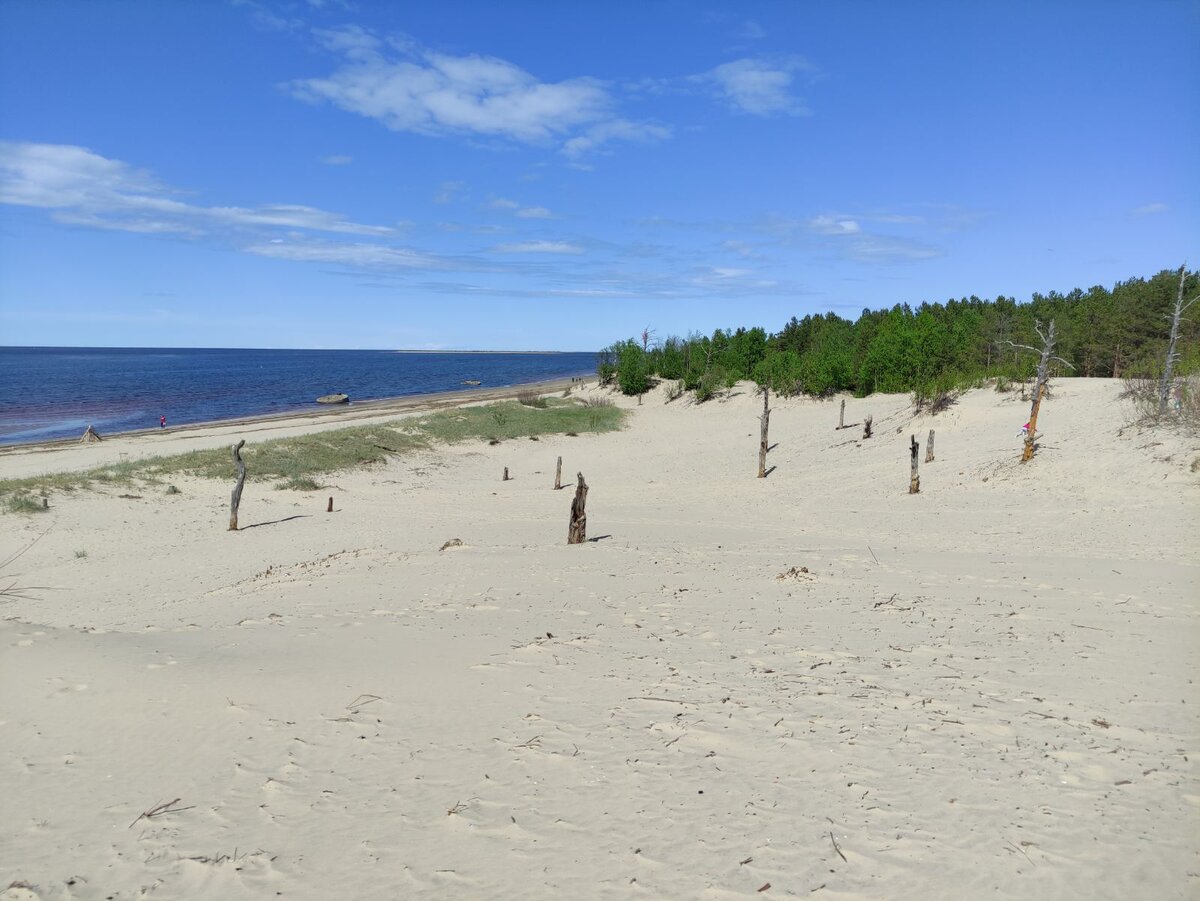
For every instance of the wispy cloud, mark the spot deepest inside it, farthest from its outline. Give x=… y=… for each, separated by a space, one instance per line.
x=362 y=255
x=449 y=191
x=539 y=247
x=750 y=30
x=1150 y=209
x=833 y=225
x=759 y=86
x=84 y=188
x=410 y=88
x=534 y=212
x=337 y=159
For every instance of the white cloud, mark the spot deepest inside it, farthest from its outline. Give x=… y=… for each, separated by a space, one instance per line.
x=887 y=249
x=364 y=255
x=502 y=203
x=410 y=88
x=535 y=212
x=833 y=225
x=337 y=159
x=539 y=247
x=438 y=94
x=614 y=130
x=1150 y=209
x=449 y=191
x=751 y=30
x=761 y=87
x=84 y=188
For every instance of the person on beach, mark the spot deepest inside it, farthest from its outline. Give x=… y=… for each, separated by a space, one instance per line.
x=162 y=422
x=1024 y=433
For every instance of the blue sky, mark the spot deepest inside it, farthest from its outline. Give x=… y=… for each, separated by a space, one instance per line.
x=538 y=175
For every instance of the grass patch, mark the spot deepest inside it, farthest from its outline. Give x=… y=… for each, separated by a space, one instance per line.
x=532 y=399
x=296 y=462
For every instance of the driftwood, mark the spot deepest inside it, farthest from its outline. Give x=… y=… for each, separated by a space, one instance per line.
x=90 y=435
x=577 y=531
x=914 y=482
x=235 y=499
x=929 y=448
x=558 y=475
x=762 y=441
x=867 y=426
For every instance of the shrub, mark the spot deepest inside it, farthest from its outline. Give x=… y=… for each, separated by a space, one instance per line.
x=532 y=399
x=24 y=503
x=675 y=390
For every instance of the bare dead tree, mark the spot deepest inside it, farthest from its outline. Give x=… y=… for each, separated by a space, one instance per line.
x=235 y=499
x=762 y=442
x=1164 y=389
x=1046 y=354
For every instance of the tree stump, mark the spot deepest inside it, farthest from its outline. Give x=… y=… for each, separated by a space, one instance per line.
x=505 y=479
x=577 y=531
x=914 y=482
x=558 y=475
x=235 y=499
x=867 y=427
x=329 y=506
x=762 y=442
x=842 y=414
x=929 y=448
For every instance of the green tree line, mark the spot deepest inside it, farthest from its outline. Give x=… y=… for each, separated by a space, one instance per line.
x=1120 y=332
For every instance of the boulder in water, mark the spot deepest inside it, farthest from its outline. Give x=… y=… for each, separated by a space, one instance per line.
x=334 y=399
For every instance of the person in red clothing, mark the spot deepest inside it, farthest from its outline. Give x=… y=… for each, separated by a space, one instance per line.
x=162 y=422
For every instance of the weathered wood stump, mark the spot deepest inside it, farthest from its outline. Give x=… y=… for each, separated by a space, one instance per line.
x=929 y=448
x=842 y=414
x=558 y=475
x=235 y=499
x=329 y=506
x=867 y=427
x=505 y=479
x=914 y=482
x=577 y=531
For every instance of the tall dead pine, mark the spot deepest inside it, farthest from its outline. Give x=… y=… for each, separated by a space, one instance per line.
x=235 y=500
x=1164 y=388
x=929 y=448
x=914 y=481
x=577 y=531
x=762 y=441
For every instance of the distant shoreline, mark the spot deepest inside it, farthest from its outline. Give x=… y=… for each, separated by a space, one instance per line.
x=539 y=353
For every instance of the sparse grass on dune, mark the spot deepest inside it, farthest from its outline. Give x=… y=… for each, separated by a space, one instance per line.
x=294 y=462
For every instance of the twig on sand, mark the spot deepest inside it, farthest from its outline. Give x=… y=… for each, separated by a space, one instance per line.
x=158 y=810
x=664 y=700
x=873 y=557
x=836 y=848
x=362 y=701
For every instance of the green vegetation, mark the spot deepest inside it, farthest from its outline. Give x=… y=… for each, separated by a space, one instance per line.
x=930 y=351
x=296 y=461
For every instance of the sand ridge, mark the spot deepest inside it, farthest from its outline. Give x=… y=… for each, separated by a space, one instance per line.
x=983 y=689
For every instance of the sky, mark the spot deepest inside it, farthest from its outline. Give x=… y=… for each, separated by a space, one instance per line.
x=561 y=175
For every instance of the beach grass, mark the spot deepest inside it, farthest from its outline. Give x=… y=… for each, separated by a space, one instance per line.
x=296 y=462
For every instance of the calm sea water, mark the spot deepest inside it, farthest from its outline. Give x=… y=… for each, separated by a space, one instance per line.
x=56 y=392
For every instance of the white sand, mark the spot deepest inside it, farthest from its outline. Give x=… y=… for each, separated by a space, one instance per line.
x=986 y=689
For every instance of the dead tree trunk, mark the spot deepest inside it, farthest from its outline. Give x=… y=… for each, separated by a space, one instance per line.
x=329 y=506
x=842 y=414
x=505 y=479
x=1043 y=376
x=914 y=481
x=235 y=499
x=558 y=475
x=929 y=448
x=762 y=441
x=867 y=427
x=1164 y=389
x=577 y=531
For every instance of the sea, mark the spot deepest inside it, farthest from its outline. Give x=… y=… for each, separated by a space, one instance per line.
x=57 y=392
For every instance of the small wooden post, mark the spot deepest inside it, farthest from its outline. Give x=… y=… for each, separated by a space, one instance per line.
x=329 y=506
x=577 y=531
x=235 y=499
x=505 y=479
x=867 y=427
x=914 y=482
x=842 y=414
x=762 y=443
x=929 y=448
x=558 y=475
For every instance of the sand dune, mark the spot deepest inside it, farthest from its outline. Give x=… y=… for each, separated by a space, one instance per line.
x=985 y=689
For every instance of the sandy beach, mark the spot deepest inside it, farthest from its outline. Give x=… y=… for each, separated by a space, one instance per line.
x=813 y=684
